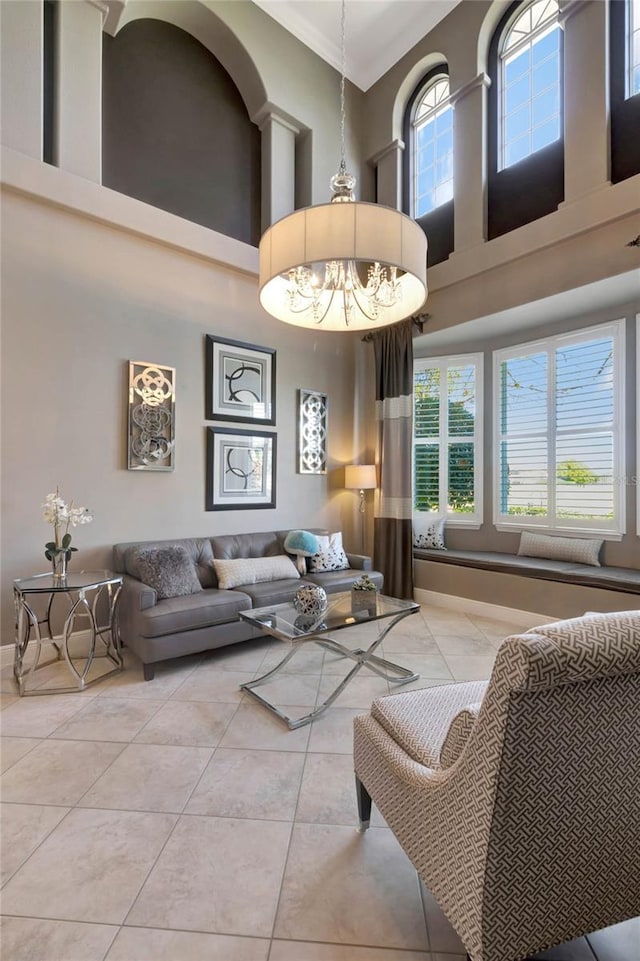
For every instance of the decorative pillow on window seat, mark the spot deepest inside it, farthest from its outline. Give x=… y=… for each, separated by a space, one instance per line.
x=428 y=532
x=580 y=550
x=170 y=571
x=253 y=570
x=330 y=555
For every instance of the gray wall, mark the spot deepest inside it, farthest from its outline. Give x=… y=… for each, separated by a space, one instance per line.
x=81 y=299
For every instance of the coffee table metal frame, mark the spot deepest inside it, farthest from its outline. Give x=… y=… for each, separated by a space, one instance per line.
x=270 y=621
x=76 y=586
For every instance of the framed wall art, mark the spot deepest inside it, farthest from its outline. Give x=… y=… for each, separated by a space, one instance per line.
x=240 y=381
x=241 y=469
x=312 y=432
x=151 y=416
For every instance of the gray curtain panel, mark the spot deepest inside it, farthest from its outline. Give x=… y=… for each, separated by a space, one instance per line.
x=393 y=541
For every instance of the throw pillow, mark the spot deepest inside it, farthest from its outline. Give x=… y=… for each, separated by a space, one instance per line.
x=330 y=555
x=168 y=570
x=430 y=536
x=580 y=550
x=303 y=544
x=253 y=570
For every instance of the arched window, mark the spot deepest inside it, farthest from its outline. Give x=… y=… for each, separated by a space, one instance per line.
x=530 y=85
x=633 y=47
x=432 y=148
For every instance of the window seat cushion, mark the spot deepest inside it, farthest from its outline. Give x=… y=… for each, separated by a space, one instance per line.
x=625 y=579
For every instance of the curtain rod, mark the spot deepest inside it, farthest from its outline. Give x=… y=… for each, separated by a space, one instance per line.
x=418 y=323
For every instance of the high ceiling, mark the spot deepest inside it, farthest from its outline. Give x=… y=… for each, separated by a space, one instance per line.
x=378 y=32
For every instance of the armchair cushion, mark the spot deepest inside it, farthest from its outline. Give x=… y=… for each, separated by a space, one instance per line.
x=419 y=721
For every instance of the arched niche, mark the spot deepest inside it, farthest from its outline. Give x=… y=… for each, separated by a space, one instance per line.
x=212 y=32
x=176 y=130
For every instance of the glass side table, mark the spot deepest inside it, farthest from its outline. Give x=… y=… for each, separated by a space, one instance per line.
x=86 y=592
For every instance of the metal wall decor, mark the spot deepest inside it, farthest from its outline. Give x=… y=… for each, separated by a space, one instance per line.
x=240 y=381
x=312 y=432
x=241 y=469
x=152 y=398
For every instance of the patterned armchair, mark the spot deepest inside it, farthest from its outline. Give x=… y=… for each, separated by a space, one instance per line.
x=518 y=799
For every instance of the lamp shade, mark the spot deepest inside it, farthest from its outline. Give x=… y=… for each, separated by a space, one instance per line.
x=360 y=233
x=360 y=477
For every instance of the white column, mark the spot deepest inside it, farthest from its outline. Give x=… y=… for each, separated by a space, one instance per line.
x=470 y=163
x=78 y=128
x=388 y=164
x=586 y=98
x=278 y=164
x=21 y=50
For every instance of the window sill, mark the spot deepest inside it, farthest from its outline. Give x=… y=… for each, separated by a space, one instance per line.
x=560 y=531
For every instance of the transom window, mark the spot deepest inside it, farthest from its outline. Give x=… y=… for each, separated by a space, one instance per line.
x=633 y=47
x=432 y=130
x=447 y=461
x=559 y=431
x=530 y=83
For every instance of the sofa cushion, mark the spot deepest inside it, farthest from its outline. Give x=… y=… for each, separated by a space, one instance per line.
x=198 y=549
x=168 y=570
x=272 y=592
x=578 y=550
x=187 y=613
x=334 y=581
x=253 y=570
x=330 y=555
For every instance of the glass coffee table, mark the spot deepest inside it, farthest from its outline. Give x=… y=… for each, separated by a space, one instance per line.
x=283 y=622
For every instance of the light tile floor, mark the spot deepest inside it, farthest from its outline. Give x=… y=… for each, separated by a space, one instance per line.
x=177 y=820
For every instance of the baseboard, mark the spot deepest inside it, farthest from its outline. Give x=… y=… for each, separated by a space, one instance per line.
x=469 y=606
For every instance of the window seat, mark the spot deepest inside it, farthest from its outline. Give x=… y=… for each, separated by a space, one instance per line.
x=625 y=579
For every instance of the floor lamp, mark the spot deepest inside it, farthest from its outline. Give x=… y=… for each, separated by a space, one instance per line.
x=360 y=477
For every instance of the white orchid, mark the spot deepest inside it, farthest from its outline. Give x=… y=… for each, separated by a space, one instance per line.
x=56 y=511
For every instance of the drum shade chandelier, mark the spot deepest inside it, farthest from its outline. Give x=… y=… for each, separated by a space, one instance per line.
x=344 y=265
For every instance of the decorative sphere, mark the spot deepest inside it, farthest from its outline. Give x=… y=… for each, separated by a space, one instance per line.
x=310 y=600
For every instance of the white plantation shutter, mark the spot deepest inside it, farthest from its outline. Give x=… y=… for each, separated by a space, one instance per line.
x=560 y=433
x=448 y=437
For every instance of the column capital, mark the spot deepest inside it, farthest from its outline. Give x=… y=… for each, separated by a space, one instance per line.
x=102 y=6
x=482 y=80
x=395 y=146
x=569 y=8
x=269 y=112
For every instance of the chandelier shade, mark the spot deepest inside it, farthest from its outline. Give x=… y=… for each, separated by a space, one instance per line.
x=346 y=265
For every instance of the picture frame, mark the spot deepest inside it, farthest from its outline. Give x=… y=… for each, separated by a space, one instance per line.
x=240 y=381
x=151 y=417
x=241 y=469
x=312 y=431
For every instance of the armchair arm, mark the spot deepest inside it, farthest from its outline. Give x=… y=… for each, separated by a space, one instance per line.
x=458 y=733
x=360 y=562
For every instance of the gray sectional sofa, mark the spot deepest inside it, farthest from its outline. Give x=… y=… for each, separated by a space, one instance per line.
x=159 y=629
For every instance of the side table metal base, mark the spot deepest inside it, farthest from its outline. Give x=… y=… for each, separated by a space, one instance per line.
x=102 y=641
